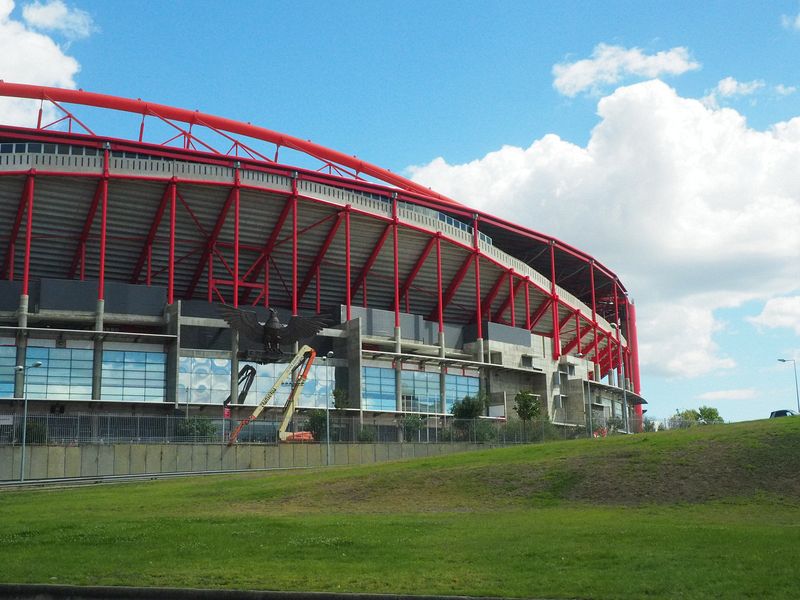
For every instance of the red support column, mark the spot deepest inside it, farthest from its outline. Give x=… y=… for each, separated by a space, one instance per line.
x=476 y=238
x=395 y=229
x=620 y=367
x=594 y=312
x=101 y=283
x=527 y=304
x=294 y=246
x=554 y=294
x=511 y=297
x=26 y=266
x=236 y=214
x=440 y=310
x=171 y=263
x=348 y=299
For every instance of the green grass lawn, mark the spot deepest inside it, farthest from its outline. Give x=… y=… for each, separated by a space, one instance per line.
x=706 y=513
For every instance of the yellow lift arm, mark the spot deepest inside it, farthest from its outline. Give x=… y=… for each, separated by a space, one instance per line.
x=305 y=356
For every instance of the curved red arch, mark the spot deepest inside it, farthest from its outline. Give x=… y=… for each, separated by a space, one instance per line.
x=38 y=92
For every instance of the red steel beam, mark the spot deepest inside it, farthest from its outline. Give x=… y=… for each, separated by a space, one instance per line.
x=8 y=261
x=362 y=276
x=439 y=309
x=540 y=312
x=577 y=340
x=409 y=280
x=151 y=234
x=208 y=249
x=313 y=270
x=101 y=282
x=554 y=293
x=269 y=245
x=348 y=296
x=453 y=287
x=171 y=260
x=26 y=266
x=80 y=249
x=510 y=299
x=396 y=263
x=486 y=303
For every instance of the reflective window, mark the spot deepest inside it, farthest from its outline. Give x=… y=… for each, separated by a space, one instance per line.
x=378 y=389
x=61 y=376
x=459 y=386
x=134 y=376
x=420 y=391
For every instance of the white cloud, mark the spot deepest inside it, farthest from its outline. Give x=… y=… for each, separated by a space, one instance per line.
x=741 y=394
x=611 y=64
x=781 y=312
x=29 y=57
x=56 y=16
x=729 y=88
x=790 y=22
x=785 y=90
x=692 y=208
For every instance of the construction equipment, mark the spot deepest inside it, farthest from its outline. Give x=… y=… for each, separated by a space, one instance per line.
x=247 y=375
x=304 y=358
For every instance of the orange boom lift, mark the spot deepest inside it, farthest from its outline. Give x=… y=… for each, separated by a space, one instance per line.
x=303 y=359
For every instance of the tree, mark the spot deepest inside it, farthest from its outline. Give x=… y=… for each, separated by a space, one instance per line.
x=341 y=400
x=708 y=415
x=470 y=407
x=527 y=405
x=317 y=423
x=683 y=419
x=528 y=408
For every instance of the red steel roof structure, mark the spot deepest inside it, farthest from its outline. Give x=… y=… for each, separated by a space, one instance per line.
x=213 y=212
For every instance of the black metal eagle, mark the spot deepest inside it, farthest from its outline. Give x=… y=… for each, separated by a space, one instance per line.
x=272 y=334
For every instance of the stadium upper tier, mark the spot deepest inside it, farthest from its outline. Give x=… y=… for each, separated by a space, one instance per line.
x=216 y=212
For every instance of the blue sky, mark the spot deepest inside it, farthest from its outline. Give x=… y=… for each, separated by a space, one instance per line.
x=666 y=149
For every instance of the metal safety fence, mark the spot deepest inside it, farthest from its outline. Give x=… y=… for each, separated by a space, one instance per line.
x=115 y=429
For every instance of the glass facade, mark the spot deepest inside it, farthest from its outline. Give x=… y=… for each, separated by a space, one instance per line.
x=459 y=386
x=420 y=390
x=133 y=376
x=208 y=381
x=377 y=389
x=8 y=356
x=65 y=374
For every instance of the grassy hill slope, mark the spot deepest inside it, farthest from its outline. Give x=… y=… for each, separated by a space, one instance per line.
x=708 y=512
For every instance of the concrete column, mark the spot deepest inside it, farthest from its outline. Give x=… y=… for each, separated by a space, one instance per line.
x=480 y=352
x=97 y=351
x=22 y=346
x=353 y=345
x=597 y=372
x=173 y=316
x=398 y=372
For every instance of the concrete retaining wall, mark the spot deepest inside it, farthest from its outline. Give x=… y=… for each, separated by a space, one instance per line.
x=91 y=460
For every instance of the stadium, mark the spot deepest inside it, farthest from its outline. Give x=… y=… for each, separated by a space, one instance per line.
x=117 y=251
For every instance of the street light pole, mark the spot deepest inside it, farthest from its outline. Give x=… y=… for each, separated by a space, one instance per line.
x=796 y=388
x=21 y=369
x=327 y=409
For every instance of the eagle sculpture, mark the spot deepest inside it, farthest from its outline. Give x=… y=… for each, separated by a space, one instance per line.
x=272 y=334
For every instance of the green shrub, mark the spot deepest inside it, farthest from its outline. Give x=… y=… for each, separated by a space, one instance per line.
x=317 y=423
x=366 y=435
x=412 y=425
x=195 y=427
